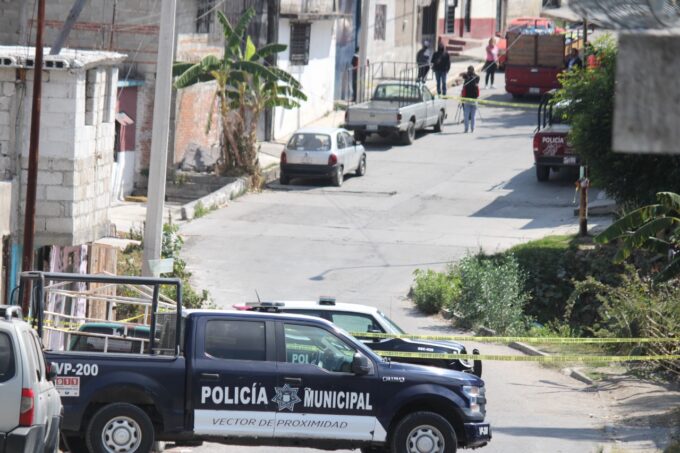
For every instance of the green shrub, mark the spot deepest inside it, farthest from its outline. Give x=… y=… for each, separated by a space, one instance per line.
x=553 y=265
x=492 y=293
x=434 y=290
x=636 y=309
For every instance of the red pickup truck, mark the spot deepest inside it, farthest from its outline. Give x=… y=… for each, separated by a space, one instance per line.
x=551 y=145
x=535 y=60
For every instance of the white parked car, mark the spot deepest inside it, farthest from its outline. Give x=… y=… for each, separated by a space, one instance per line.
x=322 y=152
x=31 y=408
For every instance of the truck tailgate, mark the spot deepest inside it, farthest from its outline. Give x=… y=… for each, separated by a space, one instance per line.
x=530 y=79
x=373 y=112
x=84 y=377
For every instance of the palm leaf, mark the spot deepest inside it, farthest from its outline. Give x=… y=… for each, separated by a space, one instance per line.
x=630 y=222
x=285 y=77
x=669 y=200
x=179 y=67
x=658 y=246
x=269 y=49
x=226 y=25
x=251 y=50
x=669 y=272
x=191 y=76
x=243 y=22
x=255 y=69
x=643 y=234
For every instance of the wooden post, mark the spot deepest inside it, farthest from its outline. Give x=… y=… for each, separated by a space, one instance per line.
x=33 y=152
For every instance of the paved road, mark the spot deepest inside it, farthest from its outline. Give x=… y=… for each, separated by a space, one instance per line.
x=418 y=207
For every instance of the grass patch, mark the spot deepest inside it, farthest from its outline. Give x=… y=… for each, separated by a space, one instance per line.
x=200 y=210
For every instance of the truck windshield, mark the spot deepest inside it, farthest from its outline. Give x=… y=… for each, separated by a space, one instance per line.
x=390 y=325
x=309 y=142
x=396 y=92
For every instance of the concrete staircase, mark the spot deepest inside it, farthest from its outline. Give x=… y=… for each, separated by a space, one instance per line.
x=457 y=47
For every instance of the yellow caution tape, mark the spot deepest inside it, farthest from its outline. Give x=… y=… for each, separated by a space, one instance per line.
x=529 y=358
x=490 y=102
x=532 y=340
x=130 y=319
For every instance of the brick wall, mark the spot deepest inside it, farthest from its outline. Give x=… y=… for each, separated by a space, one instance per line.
x=193 y=105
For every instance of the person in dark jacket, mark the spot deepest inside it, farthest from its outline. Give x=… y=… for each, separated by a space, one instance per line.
x=423 y=59
x=355 y=73
x=470 y=91
x=441 y=63
x=574 y=60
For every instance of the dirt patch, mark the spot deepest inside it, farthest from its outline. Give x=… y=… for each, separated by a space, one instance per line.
x=644 y=415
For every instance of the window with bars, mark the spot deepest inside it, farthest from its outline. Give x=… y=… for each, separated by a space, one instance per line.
x=205 y=16
x=299 y=43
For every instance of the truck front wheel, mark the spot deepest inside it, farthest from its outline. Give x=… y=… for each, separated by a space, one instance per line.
x=120 y=427
x=409 y=134
x=421 y=432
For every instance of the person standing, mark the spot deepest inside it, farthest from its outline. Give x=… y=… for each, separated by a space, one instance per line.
x=574 y=60
x=491 y=63
x=355 y=73
x=441 y=63
x=423 y=59
x=470 y=91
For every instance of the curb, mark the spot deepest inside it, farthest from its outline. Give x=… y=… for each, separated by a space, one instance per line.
x=222 y=196
x=528 y=350
x=579 y=376
x=571 y=372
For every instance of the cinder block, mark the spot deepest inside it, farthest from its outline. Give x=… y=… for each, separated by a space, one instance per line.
x=59 y=225
x=60 y=193
x=7 y=75
x=49 y=209
x=50 y=178
x=5 y=103
x=8 y=88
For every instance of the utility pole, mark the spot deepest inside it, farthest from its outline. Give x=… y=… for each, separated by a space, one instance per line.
x=33 y=152
x=363 y=49
x=159 y=137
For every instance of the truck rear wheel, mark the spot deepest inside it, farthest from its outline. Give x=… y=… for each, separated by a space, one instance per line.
x=120 y=427
x=542 y=172
x=422 y=432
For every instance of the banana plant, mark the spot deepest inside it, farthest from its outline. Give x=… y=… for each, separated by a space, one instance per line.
x=655 y=228
x=245 y=85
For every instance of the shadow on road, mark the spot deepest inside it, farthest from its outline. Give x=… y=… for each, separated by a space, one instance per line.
x=529 y=199
x=583 y=434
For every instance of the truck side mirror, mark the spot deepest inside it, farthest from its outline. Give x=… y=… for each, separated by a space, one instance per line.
x=360 y=364
x=51 y=371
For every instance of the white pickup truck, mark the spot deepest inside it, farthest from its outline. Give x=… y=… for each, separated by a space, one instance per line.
x=396 y=108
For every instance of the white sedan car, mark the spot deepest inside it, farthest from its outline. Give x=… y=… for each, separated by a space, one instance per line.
x=322 y=152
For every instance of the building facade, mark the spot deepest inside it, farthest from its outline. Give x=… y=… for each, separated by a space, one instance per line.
x=77 y=134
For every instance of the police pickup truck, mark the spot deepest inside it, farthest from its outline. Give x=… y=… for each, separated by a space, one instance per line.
x=245 y=378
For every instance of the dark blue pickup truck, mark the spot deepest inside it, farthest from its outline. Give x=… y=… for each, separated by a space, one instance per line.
x=255 y=379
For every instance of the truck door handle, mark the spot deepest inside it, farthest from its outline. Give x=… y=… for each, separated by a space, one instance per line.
x=210 y=376
x=292 y=380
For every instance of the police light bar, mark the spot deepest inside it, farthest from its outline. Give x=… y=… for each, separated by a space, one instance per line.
x=326 y=300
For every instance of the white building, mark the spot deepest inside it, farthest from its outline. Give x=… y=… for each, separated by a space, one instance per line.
x=309 y=31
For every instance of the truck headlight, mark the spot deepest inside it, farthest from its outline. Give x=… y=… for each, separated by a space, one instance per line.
x=472 y=392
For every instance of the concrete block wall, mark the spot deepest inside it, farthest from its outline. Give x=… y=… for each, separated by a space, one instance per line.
x=76 y=159
x=7 y=91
